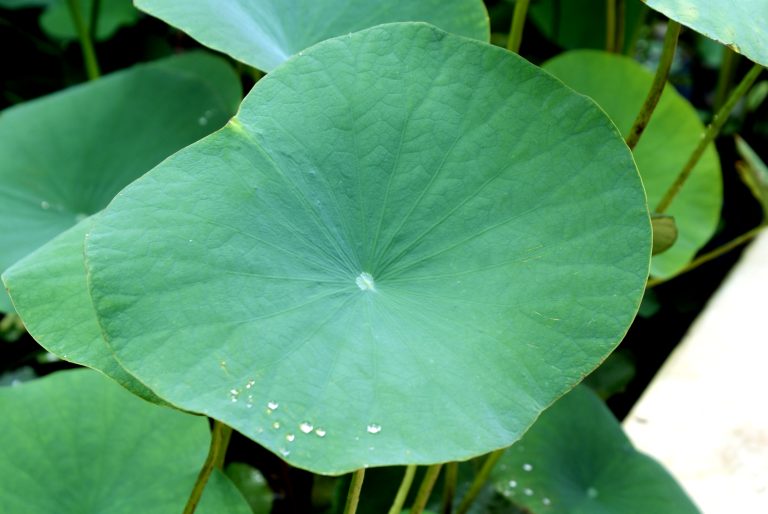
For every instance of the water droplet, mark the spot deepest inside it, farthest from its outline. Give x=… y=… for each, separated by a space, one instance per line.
x=276 y=425
x=513 y=483
x=527 y=467
x=249 y=403
x=306 y=427
x=373 y=428
x=233 y=394
x=528 y=492
x=320 y=432
x=592 y=492
x=250 y=382
x=272 y=405
x=45 y=205
x=285 y=452
x=365 y=282
x=202 y=121
x=290 y=438
x=546 y=501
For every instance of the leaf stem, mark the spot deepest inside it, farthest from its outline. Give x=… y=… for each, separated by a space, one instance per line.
x=726 y=75
x=427 y=483
x=402 y=491
x=479 y=481
x=610 y=26
x=86 y=44
x=621 y=16
x=449 y=490
x=713 y=129
x=94 y=21
x=717 y=252
x=657 y=87
x=518 y=23
x=353 y=495
x=219 y=441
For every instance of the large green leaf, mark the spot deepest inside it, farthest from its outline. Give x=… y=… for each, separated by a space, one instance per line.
x=50 y=294
x=620 y=86
x=64 y=156
x=57 y=21
x=74 y=442
x=739 y=24
x=264 y=33
x=402 y=249
x=577 y=460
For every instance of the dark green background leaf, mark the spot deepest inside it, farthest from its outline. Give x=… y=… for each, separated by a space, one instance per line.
x=64 y=156
x=577 y=460
x=74 y=442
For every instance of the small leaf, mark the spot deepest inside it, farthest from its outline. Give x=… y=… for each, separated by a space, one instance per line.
x=753 y=172
x=576 y=459
x=664 y=232
x=264 y=33
x=75 y=442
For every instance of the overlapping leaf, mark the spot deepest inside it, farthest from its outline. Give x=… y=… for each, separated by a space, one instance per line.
x=620 y=86
x=64 y=156
x=264 y=33
x=402 y=249
x=740 y=25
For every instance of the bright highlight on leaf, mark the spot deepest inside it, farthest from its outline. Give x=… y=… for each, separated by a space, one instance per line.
x=392 y=229
x=264 y=33
x=74 y=442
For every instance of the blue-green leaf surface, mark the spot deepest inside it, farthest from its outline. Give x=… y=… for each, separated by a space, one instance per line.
x=75 y=443
x=404 y=247
x=64 y=156
x=577 y=460
x=264 y=33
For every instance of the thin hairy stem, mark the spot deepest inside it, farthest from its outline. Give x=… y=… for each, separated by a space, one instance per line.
x=426 y=488
x=215 y=460
x=353 y=495
x=479 y=481
x=86 y=43
x=518 y=24
x=402 y=491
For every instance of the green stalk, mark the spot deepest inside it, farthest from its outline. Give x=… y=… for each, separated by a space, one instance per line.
x=86 y=44
x=402 y=491
x=621 y=17
x=657 y=87
x=518 y=23
x=713 y=129
x=215 y=460
x=610 y=25
x=426 y=489
x=449 y=490
x=95 y=11
x=479 y=481
x=353 y=495
x=714 y=254
x=725 y=77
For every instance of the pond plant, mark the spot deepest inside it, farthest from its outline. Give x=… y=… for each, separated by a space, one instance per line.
x=394 y=261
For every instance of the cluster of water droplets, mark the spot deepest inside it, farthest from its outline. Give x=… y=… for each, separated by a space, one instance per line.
x=305 y=428
x=516 y=486
x=205 y=118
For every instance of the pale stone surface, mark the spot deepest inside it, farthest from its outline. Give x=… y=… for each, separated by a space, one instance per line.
x=705 y=415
